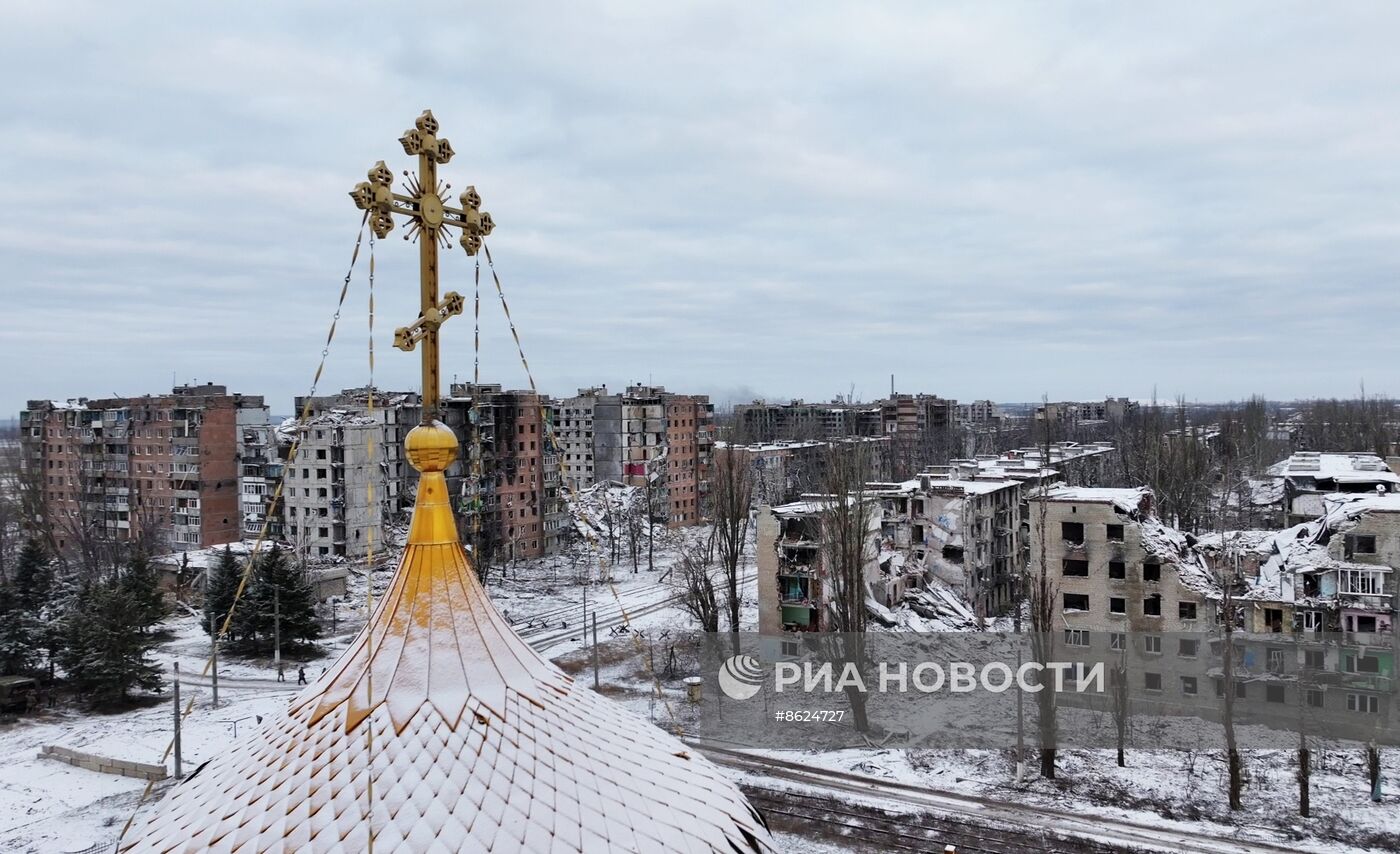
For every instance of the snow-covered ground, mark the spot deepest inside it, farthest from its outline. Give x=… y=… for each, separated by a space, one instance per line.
x=48 y=806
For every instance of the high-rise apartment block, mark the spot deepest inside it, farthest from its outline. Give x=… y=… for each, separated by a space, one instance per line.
x=163 y=469
x=644 y=435
x=516 y=509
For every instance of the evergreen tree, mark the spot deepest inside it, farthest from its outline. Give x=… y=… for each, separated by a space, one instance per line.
x=33 y=579
x=32 y=605
x=221 y=590
x=19 y=632
x=141 y=586
x=279 y=600
x=106 y=651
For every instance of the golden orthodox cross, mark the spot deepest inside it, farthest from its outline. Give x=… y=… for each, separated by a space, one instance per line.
x=424 y=203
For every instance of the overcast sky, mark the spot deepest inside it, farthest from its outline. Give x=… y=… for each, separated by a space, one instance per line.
x=785 y=199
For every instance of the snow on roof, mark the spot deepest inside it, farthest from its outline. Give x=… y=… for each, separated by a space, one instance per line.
x=769 y=447
x=1175 y=548
x=1127 y=500
x=478 y=742
x=1346 y=468
x=974 y=487
x=1342 y=509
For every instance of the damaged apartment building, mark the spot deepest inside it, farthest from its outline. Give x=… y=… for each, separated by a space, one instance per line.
x=514 y=511
x=327 y=508
x=1315 y=607
x=161 y=468
x=1299 y=484
x=950 y=542
x=645 y=437
x=517 y=509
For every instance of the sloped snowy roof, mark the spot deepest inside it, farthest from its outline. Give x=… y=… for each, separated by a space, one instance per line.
x=478 y=744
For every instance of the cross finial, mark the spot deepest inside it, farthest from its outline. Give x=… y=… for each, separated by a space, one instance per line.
x=424 y=203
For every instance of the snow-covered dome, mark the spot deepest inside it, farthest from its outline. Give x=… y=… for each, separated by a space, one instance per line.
x=440 y=730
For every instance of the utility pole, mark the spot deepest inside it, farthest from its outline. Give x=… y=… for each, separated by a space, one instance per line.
x=595 y=650
x=179 y=773
x=276 y=627
x=1020 y=723
x=214 y=657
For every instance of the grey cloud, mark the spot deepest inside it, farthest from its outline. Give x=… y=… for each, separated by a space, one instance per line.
x=987 y=201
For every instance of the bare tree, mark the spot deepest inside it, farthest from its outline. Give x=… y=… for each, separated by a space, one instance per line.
x=1041 y=591
x=697 y=572
x=848 y=546
x=731 y=496
x=1230 y=618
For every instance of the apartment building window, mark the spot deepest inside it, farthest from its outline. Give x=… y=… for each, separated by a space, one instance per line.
x=1186 y=610
x=1360 y=544
x=1152 y=606
x=1076 y=569
x=1151 y=572
x=1366 y=704
x=1315 y=698
x=1076 y=637
x=323 y=532
x=1076 y=601
x=1187 y=648
x=1115 y=533
x=1152 y=681
x=1152 y=644
x=1188 y=685
x=1314 y=659
x=1361 y=582
x=1362 y=663
x=1117 y=605
x=1274 y=693
x=1072 y=532
x=1117 y=570
x=1117 y=641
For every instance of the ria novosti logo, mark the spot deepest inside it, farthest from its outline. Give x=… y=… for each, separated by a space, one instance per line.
x=740 y=677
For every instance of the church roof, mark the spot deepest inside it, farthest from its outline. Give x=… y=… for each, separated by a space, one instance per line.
x=440 y=730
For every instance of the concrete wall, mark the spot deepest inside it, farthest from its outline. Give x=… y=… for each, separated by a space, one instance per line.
x=766 y=560
x=103 y=764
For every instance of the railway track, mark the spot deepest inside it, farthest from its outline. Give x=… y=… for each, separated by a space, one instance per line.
x=1070 y=831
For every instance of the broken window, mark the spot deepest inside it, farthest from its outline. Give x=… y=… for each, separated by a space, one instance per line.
x=1076 y=602
x=1152 y=681
x=1314 y=698
x=1117 y=569
x=1360 y=544
x=1152 y=606
x=1076 y=637
x=1188 y=685
x=1188 y=648
x=1076 y=569
x=1362 y=663
x=1315 y=659
x=1274 y=693
x=1117 y=605
x=1115 y=533
x=1151 y=572
x=1186 y=610
x=1072 y=533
